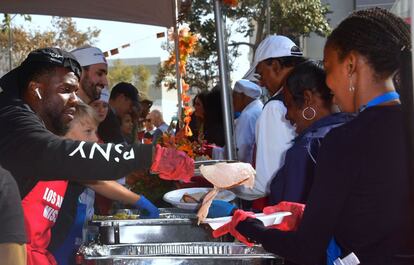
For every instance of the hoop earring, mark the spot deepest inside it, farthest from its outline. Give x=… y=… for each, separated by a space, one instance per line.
x=351 y=87
x=313 y=115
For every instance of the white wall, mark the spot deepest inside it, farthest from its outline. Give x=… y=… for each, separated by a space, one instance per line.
x=313 y=45
x=167 y=104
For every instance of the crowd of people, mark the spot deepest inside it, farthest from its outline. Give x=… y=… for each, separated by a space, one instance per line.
x=339 y=172
x=329 y=145
x=52 y=148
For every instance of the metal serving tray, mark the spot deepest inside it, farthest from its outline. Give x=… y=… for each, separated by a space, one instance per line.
x=174 y=225
x=167 y=216
x=178 y=253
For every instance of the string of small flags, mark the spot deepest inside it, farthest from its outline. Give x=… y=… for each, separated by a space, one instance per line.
x=116 y=50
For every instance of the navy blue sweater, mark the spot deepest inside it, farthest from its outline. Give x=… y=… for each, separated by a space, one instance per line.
x=294 y=179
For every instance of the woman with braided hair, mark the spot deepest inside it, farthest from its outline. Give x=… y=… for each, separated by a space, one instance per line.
x=359 y=201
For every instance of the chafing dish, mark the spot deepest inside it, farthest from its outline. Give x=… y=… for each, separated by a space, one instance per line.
x=174 y=225
x=194 y=253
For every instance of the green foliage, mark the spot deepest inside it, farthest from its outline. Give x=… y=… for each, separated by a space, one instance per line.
x=300 y=17
x=63 y=34
x=143 y=75
x=293 y=18
x=68 y=37
x=137 y=75
x=120 y=72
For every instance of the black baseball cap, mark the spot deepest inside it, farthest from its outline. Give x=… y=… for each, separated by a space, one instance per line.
x=128 y=89
x=54 y=56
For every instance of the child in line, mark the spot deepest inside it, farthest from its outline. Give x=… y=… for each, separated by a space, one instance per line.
x=83 y=128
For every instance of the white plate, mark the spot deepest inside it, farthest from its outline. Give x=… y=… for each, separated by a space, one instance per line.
x=268 y=220
x=174 y=197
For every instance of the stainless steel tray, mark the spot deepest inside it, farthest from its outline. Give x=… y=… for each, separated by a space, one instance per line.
x=179 y=253
x=174 y=225
x=167 y=216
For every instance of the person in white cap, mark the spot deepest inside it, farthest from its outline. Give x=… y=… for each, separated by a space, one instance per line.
x=94 y=72
x=101 y=105
x=246 y=100
x=275 y=58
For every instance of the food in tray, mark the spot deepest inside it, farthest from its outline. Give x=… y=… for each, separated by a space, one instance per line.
x=193 y=197
x=118 y=216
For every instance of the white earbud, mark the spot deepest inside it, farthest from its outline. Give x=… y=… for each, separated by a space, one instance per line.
x=38 y=93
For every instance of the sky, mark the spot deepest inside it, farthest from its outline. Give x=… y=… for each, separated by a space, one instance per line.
x=142 y=38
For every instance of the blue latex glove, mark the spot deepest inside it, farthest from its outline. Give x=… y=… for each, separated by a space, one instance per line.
x=144 y=204
x=220 y=209
x=332 y=252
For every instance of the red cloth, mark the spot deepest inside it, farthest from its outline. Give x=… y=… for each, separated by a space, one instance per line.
x=40 y=208
x=289 y=223
x=260 y=203
x=230 y=227
x=171 y=164
x=140 y=135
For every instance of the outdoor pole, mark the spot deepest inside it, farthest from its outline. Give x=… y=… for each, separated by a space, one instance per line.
x=224 y=81
x=10 y=44
x=177 y=62
x=267 y=2
x=10 y=47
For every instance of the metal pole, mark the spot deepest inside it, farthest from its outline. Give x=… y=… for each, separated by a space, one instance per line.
x=177 y=60
x=10 y=45
x=224 y=81
x=267 y=3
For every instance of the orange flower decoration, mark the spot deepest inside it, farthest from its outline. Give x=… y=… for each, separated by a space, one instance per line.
x=187 y=42
x=188 y=111
x=185 y=98
x=188 y=131
x=185 y=86
x=232 y=3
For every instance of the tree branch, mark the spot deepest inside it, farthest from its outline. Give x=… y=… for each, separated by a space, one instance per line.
x=251 y=45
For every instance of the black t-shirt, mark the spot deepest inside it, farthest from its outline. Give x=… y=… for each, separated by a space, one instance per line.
x=360 y=195
x=11 y=213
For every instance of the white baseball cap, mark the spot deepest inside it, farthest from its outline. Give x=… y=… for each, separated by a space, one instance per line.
x=248 y=88
x=104 y=95
x=272 y=46
x=89 y=55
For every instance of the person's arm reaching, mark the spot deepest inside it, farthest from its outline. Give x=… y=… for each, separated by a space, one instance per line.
x=115 y=191
x=326 y=199
x=47 y=156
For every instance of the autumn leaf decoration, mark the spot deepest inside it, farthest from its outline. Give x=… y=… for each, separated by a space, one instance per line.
x=187 y=42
